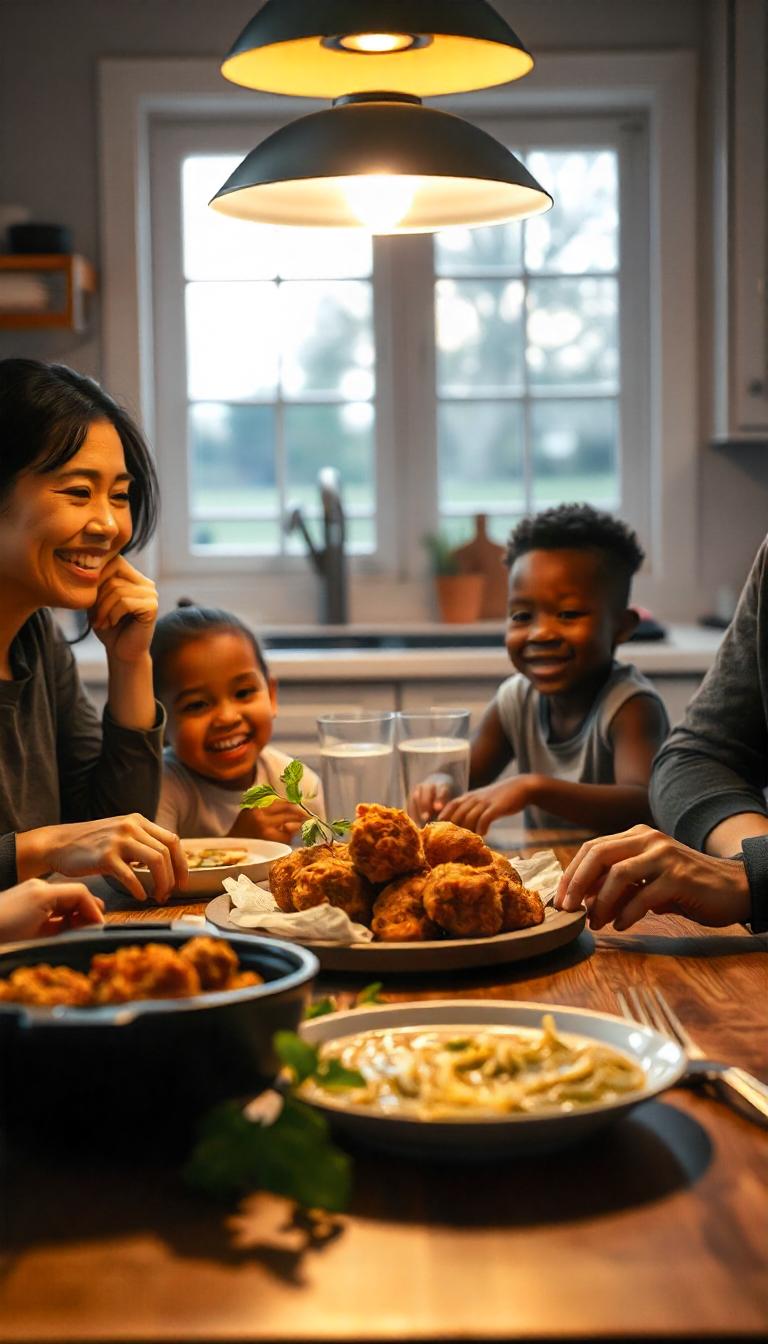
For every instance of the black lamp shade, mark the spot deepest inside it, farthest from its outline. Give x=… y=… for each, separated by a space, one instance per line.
x=460 y=174
x=291 y=47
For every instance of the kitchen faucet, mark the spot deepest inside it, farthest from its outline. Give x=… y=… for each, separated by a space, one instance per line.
x=330 y=562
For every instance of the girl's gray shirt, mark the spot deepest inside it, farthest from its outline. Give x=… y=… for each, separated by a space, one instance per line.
x=585 y=758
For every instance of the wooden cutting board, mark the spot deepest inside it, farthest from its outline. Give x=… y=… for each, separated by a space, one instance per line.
x=483 y=556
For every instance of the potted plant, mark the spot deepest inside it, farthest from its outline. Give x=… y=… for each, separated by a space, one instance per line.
x=459 y=596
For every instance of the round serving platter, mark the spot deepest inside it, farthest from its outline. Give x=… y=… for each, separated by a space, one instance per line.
x=450 y=954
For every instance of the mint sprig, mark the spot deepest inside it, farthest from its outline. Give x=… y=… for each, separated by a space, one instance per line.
x=314 y=831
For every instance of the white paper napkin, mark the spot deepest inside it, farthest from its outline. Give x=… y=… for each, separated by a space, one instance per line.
x=254 y=907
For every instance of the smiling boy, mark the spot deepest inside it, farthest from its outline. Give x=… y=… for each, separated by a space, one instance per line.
x=582 y=728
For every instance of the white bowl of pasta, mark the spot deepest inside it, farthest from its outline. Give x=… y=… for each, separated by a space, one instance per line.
x=481 y=1079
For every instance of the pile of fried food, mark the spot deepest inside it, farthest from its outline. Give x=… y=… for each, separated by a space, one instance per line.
x=149 y=971
x=409 y=885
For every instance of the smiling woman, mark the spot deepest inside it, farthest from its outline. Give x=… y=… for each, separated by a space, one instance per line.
x=77 y=490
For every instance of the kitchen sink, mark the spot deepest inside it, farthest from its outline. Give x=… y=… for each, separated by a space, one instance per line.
x=481 y=640
x=436 y=639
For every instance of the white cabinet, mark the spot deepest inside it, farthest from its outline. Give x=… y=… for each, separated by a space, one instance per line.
x=740 y=219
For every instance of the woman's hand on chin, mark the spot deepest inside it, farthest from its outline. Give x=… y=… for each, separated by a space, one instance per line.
x=124 y=613
x=108 y=846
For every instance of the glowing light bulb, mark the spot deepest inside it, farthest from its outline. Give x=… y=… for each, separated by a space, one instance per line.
x=380 y=200
x=376 y=43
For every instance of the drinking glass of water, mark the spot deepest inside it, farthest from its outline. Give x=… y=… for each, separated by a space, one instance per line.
x=356 y=760
x=433 y=747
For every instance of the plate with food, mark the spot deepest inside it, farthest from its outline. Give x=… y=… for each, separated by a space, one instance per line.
x=212 y=858
x=432 y=898
x=480 y=1079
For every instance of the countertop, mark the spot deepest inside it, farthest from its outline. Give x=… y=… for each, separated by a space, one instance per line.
x=688 y=650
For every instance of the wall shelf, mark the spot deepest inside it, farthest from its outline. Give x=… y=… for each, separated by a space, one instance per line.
x=59 y=300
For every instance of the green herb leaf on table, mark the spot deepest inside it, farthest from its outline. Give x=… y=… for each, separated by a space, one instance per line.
x=320 y=1008
x=293 y=1157
x=302 y=1059
x=369 y=994
x=333 y=1076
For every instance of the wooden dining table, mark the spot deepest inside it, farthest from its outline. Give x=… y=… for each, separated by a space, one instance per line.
x=653 y=1228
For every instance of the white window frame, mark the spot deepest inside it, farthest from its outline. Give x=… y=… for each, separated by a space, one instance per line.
x=135 y=94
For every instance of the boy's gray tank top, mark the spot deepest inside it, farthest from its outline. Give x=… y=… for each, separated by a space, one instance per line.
x=585 y=758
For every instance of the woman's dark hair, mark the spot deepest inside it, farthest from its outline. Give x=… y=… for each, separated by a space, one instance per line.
x=579 y=527
x=46 y=411
x=188 y=622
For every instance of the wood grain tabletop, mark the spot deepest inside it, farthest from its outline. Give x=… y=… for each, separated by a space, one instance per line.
x=655 y=1228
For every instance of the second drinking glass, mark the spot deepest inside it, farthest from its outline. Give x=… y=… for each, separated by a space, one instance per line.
x=433 y=747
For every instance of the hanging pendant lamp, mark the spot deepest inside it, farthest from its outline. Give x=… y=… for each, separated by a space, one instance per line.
x=329 y=48
x=382 y=162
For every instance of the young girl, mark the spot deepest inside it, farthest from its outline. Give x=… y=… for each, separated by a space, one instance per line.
x=210 y=674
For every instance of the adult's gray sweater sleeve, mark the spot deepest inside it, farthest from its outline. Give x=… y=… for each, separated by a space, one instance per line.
x=714 y=764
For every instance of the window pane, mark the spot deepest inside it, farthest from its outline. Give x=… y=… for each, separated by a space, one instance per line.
x=256 y=537
x=231 y=346
x=232 y=459
x=460 y=250
x=331 y=436
x=572 y=331
x=479 y=335
x=581 y=233
x=326 y=332
x=480 y=457
x=320 y=254
x=575 y=452
x=215 y=247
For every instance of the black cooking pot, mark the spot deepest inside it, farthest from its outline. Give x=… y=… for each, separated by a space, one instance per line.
x=148 y=1068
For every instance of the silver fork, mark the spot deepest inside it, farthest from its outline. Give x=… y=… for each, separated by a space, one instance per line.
x=649 y=1007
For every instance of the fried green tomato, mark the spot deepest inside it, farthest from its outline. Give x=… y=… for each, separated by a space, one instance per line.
x=398 y=912
x=47 y=986
x=463 y=900
x=384 y=843
x=332 y=878
x=445 y=842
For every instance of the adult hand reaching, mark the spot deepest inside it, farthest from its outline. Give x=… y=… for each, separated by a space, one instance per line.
x=37 y=909
x=108 y=846
x=622 y=877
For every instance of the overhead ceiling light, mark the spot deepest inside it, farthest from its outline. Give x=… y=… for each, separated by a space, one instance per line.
x=383 y=162
x=328 y=48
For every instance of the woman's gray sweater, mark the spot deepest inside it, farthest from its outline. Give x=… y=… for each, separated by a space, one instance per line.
x=715 y=763
x=58 y=763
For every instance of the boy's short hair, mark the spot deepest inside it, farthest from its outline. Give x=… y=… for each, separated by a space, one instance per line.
x=188 y=622
x=579 y=527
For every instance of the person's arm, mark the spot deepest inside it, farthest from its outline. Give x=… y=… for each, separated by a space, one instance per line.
x=105 y=769
x=637 y=729
x=490 y=751
x=37 y=909
x=713 y=769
